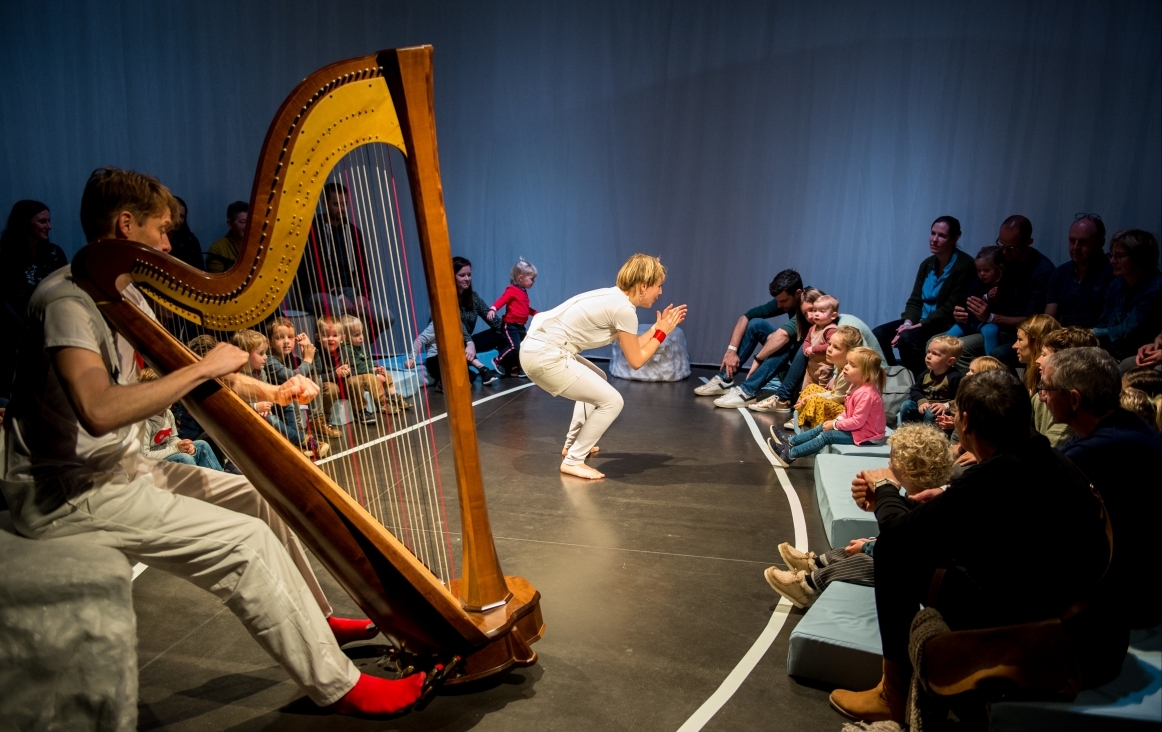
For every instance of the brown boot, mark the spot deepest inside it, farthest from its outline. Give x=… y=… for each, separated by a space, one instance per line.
x=322 y=428
x=886 y=702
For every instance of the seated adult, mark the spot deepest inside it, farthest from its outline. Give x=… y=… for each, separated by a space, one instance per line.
x=71 y=467
x=26 y=257
x=1077 y=289
x=921 y=463
x=1061 y=339
x=184 y=245
x=224 y=252
x=1031 y=337
x=1121 y=454
x=941 y=284
x=1025 y=285
x=1148 y=356
x=1133 y=308
x=774 y=348
x=1021 y=498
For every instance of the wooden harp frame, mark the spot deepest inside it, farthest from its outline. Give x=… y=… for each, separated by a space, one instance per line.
x=485 y=617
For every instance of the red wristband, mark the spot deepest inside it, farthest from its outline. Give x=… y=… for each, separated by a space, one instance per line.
x=660 y=335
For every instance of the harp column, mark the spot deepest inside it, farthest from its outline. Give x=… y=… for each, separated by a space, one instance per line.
x=408 y=73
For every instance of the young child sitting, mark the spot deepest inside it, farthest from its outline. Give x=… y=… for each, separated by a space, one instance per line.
x=990 y=267
x=163 y=443
x=280 y=367
x=862 y=423
x=933 y=394
x=284 y=419
x=823 y=316
x=920 y=462
x=818 y=404
x=515 y=301
x=366 y=375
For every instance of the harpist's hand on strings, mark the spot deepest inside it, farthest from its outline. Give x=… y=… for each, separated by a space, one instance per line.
x=296 y=389
x=224 y=359
x=670 y=318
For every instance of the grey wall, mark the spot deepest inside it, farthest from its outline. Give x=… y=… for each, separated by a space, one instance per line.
x=732 y=138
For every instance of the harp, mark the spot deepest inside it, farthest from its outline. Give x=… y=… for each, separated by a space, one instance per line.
x=380 y=534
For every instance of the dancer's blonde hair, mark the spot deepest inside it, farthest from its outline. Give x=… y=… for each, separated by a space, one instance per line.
x=641 y=269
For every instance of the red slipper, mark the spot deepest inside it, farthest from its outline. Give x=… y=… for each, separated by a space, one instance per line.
x=349 y=630
x=373 y=696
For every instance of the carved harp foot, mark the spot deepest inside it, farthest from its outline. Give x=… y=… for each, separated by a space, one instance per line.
x=511 y=628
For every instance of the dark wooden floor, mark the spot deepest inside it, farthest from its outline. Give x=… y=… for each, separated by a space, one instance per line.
x=651 y=581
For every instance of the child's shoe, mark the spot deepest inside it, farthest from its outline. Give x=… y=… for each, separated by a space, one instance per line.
x=321 y=427
x=488 y=376
x=781 y=452
x=796 y=559
x=791 y=585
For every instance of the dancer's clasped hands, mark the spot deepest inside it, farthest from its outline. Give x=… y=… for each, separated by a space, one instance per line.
x=670 y=318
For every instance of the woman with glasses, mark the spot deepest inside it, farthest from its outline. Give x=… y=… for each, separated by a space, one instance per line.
x=1132 y=316
x=941 y=284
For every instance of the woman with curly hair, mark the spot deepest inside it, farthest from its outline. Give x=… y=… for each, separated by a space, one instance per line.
x=921 y=462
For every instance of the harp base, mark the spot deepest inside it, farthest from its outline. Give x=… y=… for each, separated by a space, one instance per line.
x=511 y=628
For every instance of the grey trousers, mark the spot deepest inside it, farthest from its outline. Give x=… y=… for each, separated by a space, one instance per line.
x=858 y=569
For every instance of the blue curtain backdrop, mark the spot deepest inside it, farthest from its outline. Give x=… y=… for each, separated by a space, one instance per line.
x=732 y=138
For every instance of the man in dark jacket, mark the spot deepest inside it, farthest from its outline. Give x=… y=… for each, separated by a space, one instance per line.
x=988 y=531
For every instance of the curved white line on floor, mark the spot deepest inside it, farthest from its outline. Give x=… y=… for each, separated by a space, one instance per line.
x=763 y=643
x=139 y=567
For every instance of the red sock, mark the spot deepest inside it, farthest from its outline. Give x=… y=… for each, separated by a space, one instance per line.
x=372 y=695
x=347 y=630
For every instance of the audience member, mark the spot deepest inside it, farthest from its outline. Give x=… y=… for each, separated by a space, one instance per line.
x=161 y=441
x=921 y=463
x=1021 y=498
x=183 y=244
x=823 y=316
x=1077 y=289
x=786 y=391
x=1120 y=454
x=368 y=376
x=1025 y=285
x=333 y=278
x=818 y=404
x=224 y=252
x=1147 y=379
x=26 y=257
x=473 y=307
x=425 y=351
x=517 y=311
x=941 y=284
x=1029 y=346
x=1139 y=402
x=990 y=269
x=932 y=396
x=774 y=349
x=1133 y=307
x=280 y=368
x=1148 y=355
x=862 y=423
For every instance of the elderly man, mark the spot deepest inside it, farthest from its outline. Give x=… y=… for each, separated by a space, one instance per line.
x=1026 y=283
x=1077 y=289
x=1015 y=505
x=1121 y=454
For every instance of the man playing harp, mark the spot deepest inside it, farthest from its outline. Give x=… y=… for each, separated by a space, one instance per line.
x=72 y=467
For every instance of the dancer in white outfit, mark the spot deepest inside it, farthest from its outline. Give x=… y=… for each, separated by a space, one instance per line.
x=550 y=354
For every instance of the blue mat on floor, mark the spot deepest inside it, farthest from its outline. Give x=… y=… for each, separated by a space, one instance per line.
x=842 y=519
x=838 y=641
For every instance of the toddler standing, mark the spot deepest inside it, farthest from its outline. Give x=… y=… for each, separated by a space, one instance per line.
x=818 y=404
x=515 y=301
x=862 y=423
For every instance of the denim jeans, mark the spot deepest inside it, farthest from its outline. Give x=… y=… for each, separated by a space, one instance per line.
x=285 y=420
x=203 y=457
x=910 y=412
x=756 y=334
x=815 y=439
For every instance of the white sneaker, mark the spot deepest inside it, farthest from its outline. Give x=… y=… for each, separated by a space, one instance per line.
x=733 y=399
x=715 y=387
x=790 y=425
x=770 y=404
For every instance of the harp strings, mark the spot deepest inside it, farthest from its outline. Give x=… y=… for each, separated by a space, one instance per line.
x=357 y=266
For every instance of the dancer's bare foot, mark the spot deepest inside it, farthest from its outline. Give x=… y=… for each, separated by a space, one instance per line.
x=592 y=451
x=581 y=471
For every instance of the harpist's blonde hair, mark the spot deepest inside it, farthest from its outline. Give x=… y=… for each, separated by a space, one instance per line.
x=640 y=269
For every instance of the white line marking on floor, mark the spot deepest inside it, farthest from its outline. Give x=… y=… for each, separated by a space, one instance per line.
x=418 y=425
x=763 y=643
x=138 y=569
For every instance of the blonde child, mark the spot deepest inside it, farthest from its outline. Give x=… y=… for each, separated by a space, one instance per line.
x=824 y=317
x=283 y=419
x=517 y=311
x=818 y=404
x=933 y=394
x=280 y=367
x=365 y=374
x=862 y=423
x=162 y=441
x=1139 y=402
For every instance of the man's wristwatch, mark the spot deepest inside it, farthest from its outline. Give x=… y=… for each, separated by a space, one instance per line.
x=885 y=482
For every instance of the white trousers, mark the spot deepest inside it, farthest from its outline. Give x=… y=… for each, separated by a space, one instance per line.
x=160 y=514
x=573 y=377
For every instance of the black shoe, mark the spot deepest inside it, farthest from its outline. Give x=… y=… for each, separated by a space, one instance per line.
x=488 y=376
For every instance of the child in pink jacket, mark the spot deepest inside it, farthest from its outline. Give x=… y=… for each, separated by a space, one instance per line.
x=863 y=421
